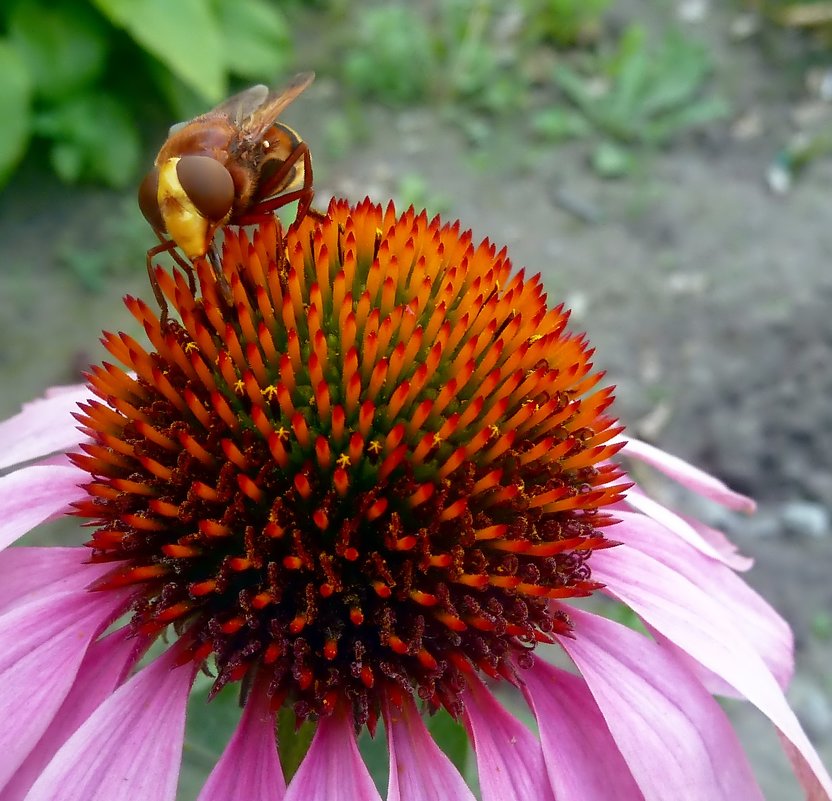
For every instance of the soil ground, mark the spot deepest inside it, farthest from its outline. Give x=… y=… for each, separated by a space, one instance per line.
x=708 y=298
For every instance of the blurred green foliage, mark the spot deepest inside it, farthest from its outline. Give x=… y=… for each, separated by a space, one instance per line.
x=642 y=93
x=391 y=57
x=401 y=56
x=81 y=80
x=77 y=76
x=565 y=22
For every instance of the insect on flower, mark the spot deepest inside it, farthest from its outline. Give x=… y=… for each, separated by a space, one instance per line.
x=235 y=164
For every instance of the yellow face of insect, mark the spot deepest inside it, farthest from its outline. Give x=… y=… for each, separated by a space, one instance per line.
x=183 y=222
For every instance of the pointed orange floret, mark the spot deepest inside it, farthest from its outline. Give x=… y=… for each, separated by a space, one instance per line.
x=361 y=451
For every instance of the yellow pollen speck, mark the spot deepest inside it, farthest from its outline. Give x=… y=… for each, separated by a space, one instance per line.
x=190 y=346
x=437 y=440
x=269 y=392
x=535 y=338
x=239 y=386
x=282 y=433
x=343 y=460
x=495 y=430
x=374 y=446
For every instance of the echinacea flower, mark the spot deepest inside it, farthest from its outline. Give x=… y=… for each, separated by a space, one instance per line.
x=364 y=477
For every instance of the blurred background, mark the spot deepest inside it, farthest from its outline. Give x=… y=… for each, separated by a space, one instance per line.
x=665 y=164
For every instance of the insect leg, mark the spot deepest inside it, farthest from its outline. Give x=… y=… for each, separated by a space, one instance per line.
x=187 y=267
x=303 y=195
x=219 y=275
x=164 y=246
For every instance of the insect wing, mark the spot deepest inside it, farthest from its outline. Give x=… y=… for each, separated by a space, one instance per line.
x=255 y=125
x=237 y=107
x=243 y=105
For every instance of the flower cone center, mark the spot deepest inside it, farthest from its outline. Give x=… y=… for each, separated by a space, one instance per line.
x=367 y=460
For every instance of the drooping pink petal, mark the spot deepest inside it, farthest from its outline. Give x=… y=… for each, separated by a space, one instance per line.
x=674 y=737
x=101 y=671
x=698 y=625
x=27 y=573
x=31 y=495
x=130 y=747
x=816 y=789
x=581 y=757
x=332 y=769
x=509 y=756
x=674 y=523
x=249 y=769
x=419 y=770
x=760 y=625
x=44 y=426
x=729 y=552
x=42 y=644
x=689 y=476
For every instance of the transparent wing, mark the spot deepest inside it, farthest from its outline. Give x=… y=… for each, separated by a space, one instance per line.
x=242 y=105
x=237 y=107
x=255 y=124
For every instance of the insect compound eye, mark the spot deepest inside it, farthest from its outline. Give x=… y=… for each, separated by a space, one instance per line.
x=207 y=184
x=148 y=199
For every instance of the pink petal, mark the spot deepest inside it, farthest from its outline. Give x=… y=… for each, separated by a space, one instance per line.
x=42 y=644
x=701 y=627
x=675 y=524
x=32 y=495
x=673 y=735
x=816 y=789
x=130 y=748
x=760 y=625
x=29 y=573
x=332 y=769
x=249 y=769
x=582 y=759
x=689 y=476
x=103 y=668
x=509 y=756
x=43 y=426
x=730 y=553
x=419 y=770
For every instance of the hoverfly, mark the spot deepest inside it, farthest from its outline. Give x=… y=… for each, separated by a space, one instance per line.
x=235 y=165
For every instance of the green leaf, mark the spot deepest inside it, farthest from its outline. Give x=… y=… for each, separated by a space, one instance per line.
x=632 y=41
x=612 y=161
x=680 y=69
x=67 y=160
x=391 y=57
x=375 y=756
x=631 y=82
x=575 y=88
x=15 y=99
x=556 y=124
x=450 y=736
x=174 y=94
x=694 y=115
x=64 y=46
x=94 y=139
x=210 y=725
x=257 y=41
x=294 y=741
x=183 y=34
